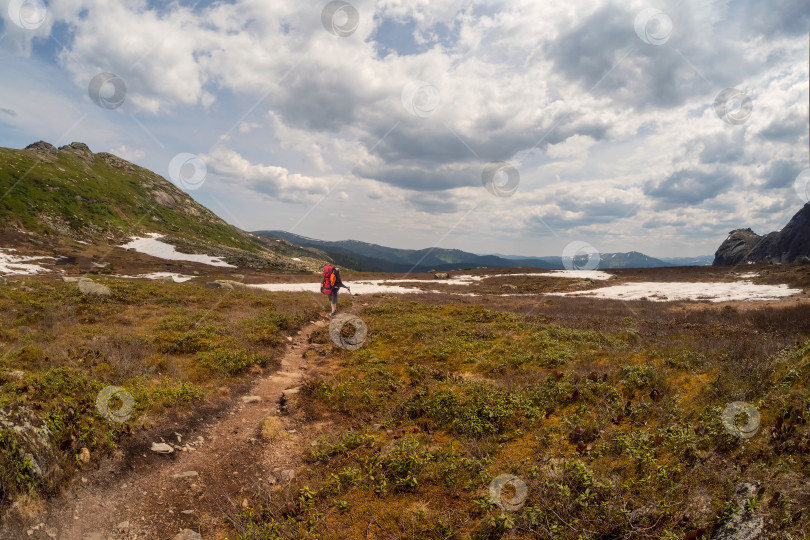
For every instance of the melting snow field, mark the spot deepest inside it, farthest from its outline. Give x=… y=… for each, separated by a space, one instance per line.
x=713 y=292
x=150 y=245
x=385 y=286
x=11 y=264
x=358 y=287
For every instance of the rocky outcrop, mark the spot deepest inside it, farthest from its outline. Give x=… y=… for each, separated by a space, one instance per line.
x=117 y=162
x=79 y=149
x=45 y=151
x=736 y=247
x=790 y=245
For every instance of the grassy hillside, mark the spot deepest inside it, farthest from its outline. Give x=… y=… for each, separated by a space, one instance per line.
x=96 y=197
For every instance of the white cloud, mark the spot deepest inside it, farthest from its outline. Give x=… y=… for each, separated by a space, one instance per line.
x=130 y=154
x=270 y=180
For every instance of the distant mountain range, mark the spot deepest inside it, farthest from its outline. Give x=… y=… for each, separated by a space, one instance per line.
x=791 y=244
x=367 y=257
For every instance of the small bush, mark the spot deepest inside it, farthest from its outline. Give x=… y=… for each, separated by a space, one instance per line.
x=229 y=361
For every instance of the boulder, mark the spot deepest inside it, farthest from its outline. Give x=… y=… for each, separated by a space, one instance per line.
x=88 y=286
x=219 y=284
x=33 y=439
x=441 y=275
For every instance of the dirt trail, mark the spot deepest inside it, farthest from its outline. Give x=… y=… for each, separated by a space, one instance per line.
x=156 y=496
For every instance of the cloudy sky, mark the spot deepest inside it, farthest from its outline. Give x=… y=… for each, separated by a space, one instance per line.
x=513 y=127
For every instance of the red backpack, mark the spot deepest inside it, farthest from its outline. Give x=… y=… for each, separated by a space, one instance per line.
x=329 y=279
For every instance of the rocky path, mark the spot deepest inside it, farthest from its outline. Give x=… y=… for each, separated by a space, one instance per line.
x=208 y=476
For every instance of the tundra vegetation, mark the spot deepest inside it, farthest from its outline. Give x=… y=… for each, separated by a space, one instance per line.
x=170 y=346
x=610 y=413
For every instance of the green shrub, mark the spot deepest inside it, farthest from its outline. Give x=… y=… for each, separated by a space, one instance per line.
x=229 y=361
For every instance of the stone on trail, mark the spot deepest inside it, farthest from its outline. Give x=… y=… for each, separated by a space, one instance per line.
x=162 y=448
x=84 y=455
x=186 y=474
x=187 y=534
x=251 y=399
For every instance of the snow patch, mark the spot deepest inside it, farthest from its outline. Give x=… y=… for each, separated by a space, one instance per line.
x=665 y=292
x=17 y=264
x=150 y=245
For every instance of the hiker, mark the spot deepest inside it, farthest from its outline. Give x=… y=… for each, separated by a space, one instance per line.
x=331 y=284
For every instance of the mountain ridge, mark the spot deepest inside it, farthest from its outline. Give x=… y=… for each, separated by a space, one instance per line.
x=377 y=258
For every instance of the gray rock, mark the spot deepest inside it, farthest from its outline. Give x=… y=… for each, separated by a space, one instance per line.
x=68 y=279
x=219 y=284
x=33 y=438
x=88 y=286
x=186 y=474
x=441 y=275
x=187 y=534
x=161 y=448
x=287 y=475
x=743 y=525
x=251 y=399
x=15 y=374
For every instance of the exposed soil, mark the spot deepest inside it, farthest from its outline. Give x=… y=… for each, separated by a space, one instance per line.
x=142 y=494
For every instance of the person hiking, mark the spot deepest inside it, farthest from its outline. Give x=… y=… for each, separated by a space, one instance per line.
x=331 y=284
